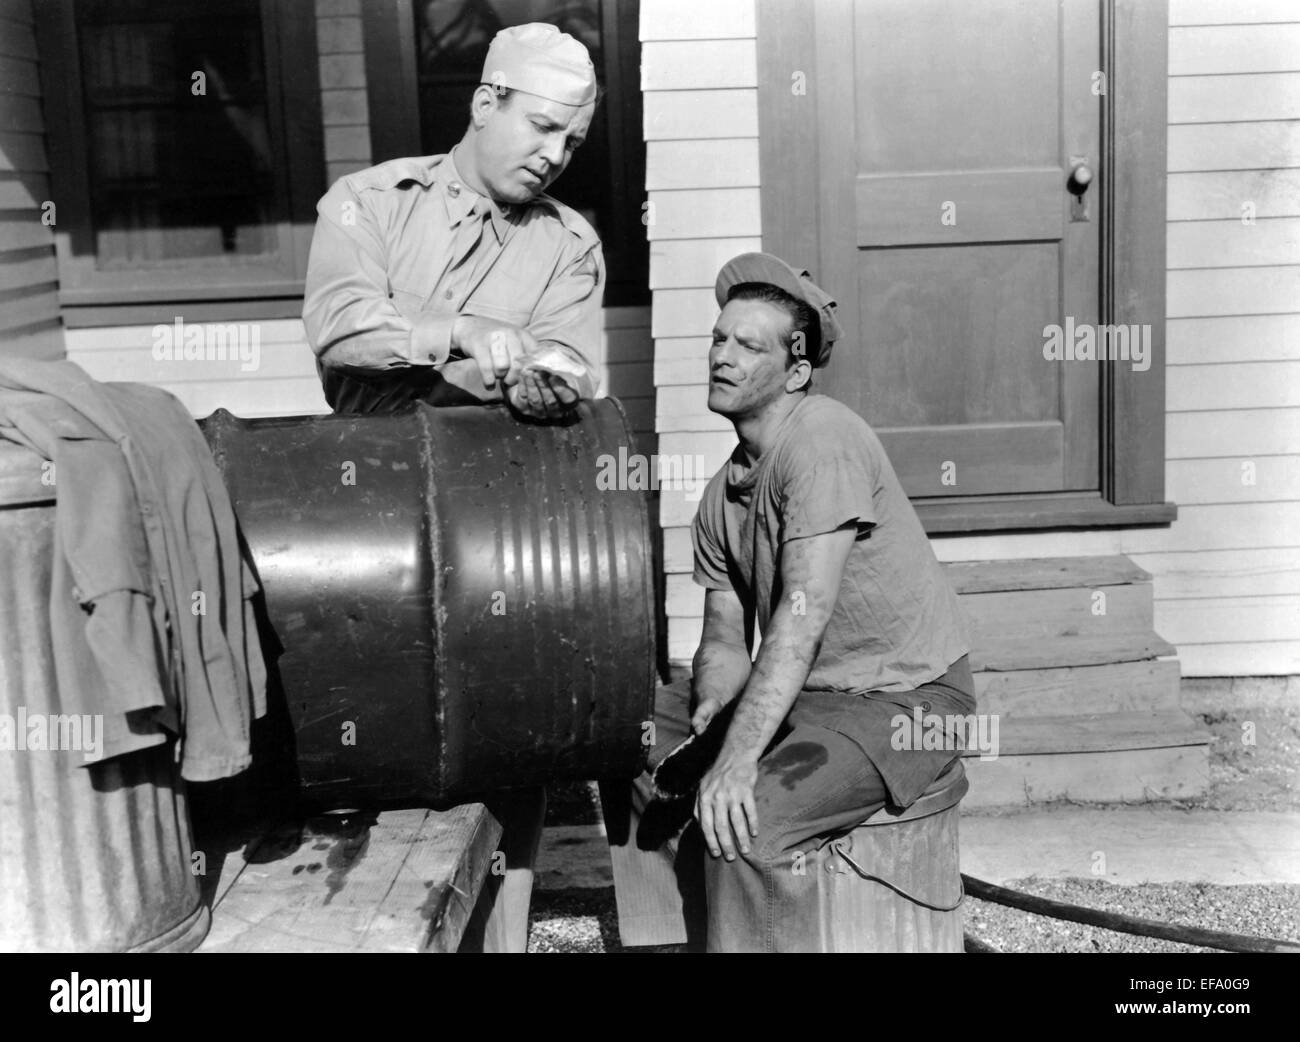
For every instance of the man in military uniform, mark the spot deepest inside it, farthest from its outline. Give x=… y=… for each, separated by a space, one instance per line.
x=453 y=279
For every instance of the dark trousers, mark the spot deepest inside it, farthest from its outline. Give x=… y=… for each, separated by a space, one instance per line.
x=814 y=782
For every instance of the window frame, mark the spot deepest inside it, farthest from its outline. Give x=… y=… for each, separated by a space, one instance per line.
x=91 y=296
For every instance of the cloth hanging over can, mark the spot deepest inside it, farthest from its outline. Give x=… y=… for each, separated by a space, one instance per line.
x=150 y=601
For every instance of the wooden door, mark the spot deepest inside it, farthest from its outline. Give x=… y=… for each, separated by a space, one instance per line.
x=948 y=135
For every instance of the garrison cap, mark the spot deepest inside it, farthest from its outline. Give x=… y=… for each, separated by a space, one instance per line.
x=764 y=267
x=539 y=59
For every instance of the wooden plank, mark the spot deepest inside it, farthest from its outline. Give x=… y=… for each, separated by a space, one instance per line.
x=673 y=115
x=42 y=341
x=1234 y=291
x=23 y=153
x=683 y=313
x=573 y=857
x=139 y=365
x=1227 y=620
x=27 y=192
x=279 y=334
x=1219 y=99
x=707 y=163
x=1234 y=146
x=1007 y=653
x=347 y=143
x=631 y=380
x=1226 y=244
x=19 y=77
x=1222 y=195
x=1118 y=687
x=691 y=20
x=398 y=881
x=1257 y=658
x=342 y=70
x=698 y=64
x=41 y=306
x=703 y=213
x=1216 y=50
x=1216 y=12
x=21 y=230
x=287 y=397
x=1221 y=527
x=1266 y=571
x=39 y=270
x=339 y=35
x=1048 y=573
x=1252 y=480
x=1138 y=775
x=344 y=108
x=1224 y=433
x=695 y=263
x=1250 y=385
x=1031 y=617
x=633 y=317
x=1232 y=339
x=1096 y=733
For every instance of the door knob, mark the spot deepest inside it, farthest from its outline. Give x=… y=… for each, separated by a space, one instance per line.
x=1080 y=178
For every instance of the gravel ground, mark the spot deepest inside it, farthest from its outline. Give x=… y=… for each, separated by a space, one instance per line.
x=1264 y=775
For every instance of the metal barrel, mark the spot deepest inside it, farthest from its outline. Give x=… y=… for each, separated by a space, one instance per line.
x=462 y=606
x=93 y=856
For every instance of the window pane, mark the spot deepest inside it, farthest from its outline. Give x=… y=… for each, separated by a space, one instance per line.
x=452 y=38
x=181 y=165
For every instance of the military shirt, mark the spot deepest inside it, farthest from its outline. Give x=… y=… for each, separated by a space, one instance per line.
x=401 y=249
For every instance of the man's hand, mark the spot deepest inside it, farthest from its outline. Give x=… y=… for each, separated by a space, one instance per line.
x=495 y=346
x=725 y=805
x=540 y=395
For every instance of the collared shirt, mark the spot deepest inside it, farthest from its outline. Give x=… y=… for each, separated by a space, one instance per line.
x=401 y=249
x=896 y=624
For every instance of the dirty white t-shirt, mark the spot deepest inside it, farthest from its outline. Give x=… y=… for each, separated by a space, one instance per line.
x=896 y=624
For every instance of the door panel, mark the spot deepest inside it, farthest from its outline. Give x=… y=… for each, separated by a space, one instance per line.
x=965 y=121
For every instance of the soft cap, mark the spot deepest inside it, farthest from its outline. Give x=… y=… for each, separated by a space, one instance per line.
x=764 y=267
x=539 y=59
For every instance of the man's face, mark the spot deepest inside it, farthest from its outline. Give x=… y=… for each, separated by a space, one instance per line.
x=524 y=142
x=747 y=362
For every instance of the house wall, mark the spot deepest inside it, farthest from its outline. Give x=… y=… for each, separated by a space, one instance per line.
x=1227 y=572
x=29 y=306
x=285 y=382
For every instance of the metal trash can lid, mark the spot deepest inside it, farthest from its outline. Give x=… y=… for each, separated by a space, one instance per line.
x=21 y=471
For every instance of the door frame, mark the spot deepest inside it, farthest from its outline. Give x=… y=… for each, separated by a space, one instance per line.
x=1133 y=131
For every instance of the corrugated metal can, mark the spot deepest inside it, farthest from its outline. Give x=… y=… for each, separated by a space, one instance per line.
x=465 y=600
x=94 y=856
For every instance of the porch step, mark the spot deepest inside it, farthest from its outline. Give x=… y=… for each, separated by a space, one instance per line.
x=1043 y=573
x=1130 y=686
x=1098 y=732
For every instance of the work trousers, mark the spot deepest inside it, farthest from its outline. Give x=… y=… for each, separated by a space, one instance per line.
x=814 y=783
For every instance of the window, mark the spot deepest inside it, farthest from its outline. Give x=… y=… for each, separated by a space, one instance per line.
x=184 y=164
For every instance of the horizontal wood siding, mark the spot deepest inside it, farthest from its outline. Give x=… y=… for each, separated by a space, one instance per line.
x=1227 y=572
x=29 y=301
x=344 y=103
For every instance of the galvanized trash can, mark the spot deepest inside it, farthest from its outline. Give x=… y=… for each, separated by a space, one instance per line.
x=893 y=884
x=94 y=857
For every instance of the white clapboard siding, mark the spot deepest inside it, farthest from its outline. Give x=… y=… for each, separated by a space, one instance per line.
x=1223 y=244
x=1249 y=385
x=1232 y=338
x=703 y=213
x=702 y=163
x=1211 y=50
x=1233 y=291
x=1241 y=434
x=1218 y=99
x=699 y=64
x=1273 y=144
x=1230 y=12
x=677 y=114
x=1232 y=195
x=683 y=313
x=1258 y=479
x=1266 y=572
x=345 y=106
x=694 y=20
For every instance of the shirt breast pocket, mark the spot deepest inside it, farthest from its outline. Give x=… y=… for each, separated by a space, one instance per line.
x=499 y=310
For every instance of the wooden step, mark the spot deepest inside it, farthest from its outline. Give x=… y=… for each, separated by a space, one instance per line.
x=1112 y=687
x=1121 y=776
x=1043 y=573
x=1016 y=653
x=1110 y=757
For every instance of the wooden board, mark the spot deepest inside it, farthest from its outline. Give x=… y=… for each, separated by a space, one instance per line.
x=1119 y=687
x=1043 y=573
x=397 y=881
x=1135 y=775
x=1095 y=733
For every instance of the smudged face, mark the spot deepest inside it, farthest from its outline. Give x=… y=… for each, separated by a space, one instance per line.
x=748 y=359
x=523 y=143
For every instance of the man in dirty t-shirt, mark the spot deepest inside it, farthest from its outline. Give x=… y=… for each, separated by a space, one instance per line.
x=807 y=532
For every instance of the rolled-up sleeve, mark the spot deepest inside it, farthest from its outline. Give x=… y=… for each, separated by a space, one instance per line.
x=350 y=320
x=568 y=313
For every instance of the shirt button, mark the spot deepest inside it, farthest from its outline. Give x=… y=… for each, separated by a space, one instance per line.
x=925 y=707
x=449 y=294
x=453 y=189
